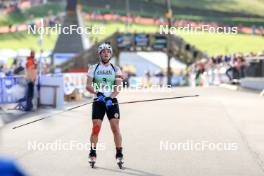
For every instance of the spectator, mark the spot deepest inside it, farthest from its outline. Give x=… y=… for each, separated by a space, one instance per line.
x=20 y=70
x=233 y=71
x=220 y=69
x=31 y=76
x=241 y=68
x=10 y=27
x=161 y=76
x=200 y=70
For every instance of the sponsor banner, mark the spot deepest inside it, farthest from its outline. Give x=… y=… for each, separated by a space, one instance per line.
x=74 y=81
x=60 y=58
x=124 y=41
x=12 y=89
x=141 y=40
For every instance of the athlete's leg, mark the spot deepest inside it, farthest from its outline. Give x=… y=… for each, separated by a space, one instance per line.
x=94 y=136
x=98 y=113
x=114 y=123
x=95 y=132
x=113 y=115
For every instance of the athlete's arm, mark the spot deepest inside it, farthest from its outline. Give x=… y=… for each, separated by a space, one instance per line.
x=117 y=88
x=118 y=83
x=89 y=86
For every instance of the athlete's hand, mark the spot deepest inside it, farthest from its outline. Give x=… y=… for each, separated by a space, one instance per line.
x=100 y=96
x=108 y=102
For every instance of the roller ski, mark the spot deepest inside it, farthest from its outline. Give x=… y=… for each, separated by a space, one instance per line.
x=92 y=158
x=92 y=161
x=120 y=162
x=119 y=158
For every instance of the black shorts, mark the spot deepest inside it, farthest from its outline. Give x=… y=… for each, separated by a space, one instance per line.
x=99 y=110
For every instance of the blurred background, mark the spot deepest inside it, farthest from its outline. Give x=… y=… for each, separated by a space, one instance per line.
x=146 y=55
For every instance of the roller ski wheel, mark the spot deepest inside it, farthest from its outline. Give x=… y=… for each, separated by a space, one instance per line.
x=92 y=161
x=120 y=162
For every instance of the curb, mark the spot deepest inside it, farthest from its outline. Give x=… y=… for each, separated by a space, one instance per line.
x=230 y=87
x=238 y=88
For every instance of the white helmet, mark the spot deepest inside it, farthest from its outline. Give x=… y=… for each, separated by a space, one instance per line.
x=104 y=46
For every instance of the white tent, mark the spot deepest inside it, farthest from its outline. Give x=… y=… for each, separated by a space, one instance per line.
x=5 y=54
x=161 y=59
x=23 y=52
x=148 y=61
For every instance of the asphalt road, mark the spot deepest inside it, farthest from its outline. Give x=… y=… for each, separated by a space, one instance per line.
x=219 y=133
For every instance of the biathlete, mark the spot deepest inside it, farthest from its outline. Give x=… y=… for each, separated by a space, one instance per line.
x=104 y=80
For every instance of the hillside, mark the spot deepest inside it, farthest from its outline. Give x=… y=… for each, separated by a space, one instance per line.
x=213 y=44
x=233 y=12
x=245 y=7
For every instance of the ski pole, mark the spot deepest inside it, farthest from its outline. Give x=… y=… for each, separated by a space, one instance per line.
x=87 y=103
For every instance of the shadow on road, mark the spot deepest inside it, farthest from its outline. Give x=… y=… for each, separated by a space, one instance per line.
x=129 y=171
